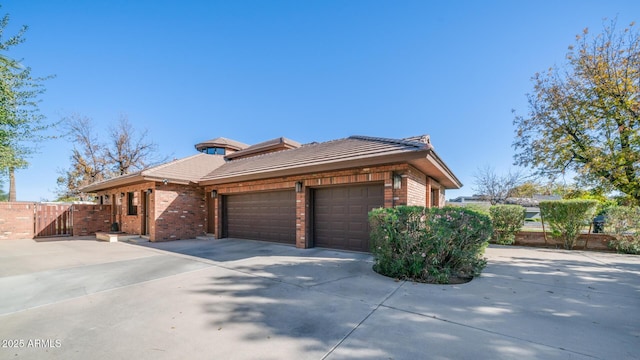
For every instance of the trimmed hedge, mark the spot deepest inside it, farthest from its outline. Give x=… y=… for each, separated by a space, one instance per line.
x=623 y=223
x=507 y=221
x=567 y=218
x=437 y=245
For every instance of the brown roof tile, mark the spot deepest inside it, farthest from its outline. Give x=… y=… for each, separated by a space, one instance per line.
x=184 y=171
x=355 y=149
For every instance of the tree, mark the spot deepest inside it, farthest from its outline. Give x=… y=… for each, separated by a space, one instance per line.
x=496 y=188
x=585 y=117
x=3 y=196
x=88 y=163
x=125 y=151
x=527 y=190
x=21 y=124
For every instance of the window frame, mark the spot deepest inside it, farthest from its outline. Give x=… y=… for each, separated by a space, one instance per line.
x=132 y=209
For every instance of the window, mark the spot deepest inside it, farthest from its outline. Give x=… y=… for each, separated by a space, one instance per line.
x=132 y=209
x=214 y=151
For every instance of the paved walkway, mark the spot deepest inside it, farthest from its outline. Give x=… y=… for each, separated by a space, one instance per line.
x=238 y=299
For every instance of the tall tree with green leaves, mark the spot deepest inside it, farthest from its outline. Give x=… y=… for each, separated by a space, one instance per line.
x=21 y=123
x=585 y=117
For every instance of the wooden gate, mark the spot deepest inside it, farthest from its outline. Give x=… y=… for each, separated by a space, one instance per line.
x=53 y=220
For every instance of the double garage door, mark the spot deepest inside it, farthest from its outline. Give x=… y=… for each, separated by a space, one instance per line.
x=340 y=216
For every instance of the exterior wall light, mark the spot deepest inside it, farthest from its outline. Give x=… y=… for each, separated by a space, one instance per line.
x=397 y=181
x=214 y=194
x=298 y=186
x=165 y=181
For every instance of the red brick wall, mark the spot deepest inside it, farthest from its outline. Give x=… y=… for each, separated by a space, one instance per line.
x=180 y=212
x=17 y=220
x=130 y=224
x=90 y=219
x=413 y=190
x=416 y=187
x=176 y=211
x=585 y=241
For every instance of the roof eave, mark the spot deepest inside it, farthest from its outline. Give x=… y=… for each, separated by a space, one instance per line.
x=133 y=180
x=434 y=167
x=113 y=183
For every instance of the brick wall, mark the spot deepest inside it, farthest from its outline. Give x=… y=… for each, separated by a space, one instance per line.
x=585 y=241
x=90 y=219
x=416 y=187
x=175 y=211
x=128 y=223
x=17 y=220
x=412 y=190
x=180 y=212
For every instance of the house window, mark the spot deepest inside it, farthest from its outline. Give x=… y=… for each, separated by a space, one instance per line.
x=132 y=209
x=214 y=151
x=435 y=197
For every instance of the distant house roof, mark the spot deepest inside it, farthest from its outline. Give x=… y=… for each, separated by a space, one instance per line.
x=272 y=145
x=333 y=155
x=547 y=197
x=466 y=199
x=221 y=142
x=183 y=171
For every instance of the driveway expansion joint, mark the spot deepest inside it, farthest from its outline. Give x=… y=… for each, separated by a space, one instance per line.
x=435 y=317
x=363 y=320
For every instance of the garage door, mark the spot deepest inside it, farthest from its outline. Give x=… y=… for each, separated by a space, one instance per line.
x=341 y=215
x=269 y=216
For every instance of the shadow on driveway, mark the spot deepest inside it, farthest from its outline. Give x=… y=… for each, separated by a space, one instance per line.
x=531 y=303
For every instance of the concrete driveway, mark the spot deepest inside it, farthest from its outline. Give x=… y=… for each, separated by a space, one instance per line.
x=238 y=299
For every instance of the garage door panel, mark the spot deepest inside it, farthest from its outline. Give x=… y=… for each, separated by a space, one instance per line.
x=266 y=216
x=341 y=215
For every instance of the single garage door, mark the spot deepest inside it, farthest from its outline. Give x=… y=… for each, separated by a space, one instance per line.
x=269 y=216
x=341 y=215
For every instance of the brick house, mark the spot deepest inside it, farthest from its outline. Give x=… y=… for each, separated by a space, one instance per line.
x=309 y=195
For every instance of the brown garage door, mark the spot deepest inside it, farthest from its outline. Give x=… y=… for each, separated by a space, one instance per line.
x=269 y=216
x=341 y=215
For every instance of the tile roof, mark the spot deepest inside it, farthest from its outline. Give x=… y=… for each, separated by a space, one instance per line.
x=360 y=149
x=355 y=151
x=183 y=171
x=191 y=168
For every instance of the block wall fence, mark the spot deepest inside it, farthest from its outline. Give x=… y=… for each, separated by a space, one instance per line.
x=18 y=219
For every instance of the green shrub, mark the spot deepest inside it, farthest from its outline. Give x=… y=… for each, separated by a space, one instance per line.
x=507 y=221
x=567 y=217
x=429 y=245
x=623 y=223
x=481 y=208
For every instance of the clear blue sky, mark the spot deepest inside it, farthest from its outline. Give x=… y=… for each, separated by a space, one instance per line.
x=189 y=71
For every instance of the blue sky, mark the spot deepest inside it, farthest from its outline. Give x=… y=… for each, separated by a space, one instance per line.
x=190 y=71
